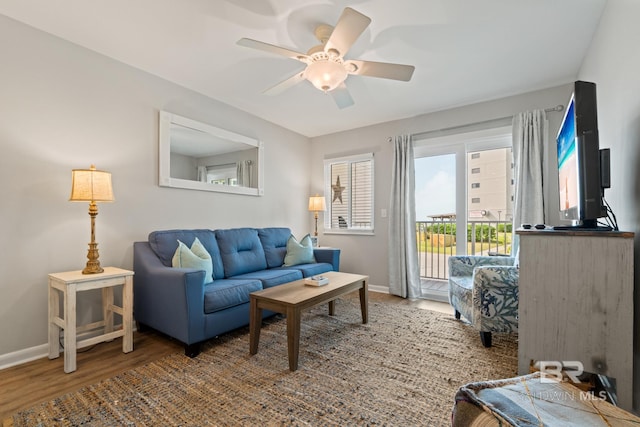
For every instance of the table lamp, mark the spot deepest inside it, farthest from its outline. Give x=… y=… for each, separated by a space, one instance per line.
x=317 y=204
x=91 y=185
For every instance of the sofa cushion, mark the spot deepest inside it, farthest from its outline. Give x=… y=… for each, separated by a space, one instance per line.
x=164 y=243
x=312 y=269
x=273 y=276
x=226 y=293
x=299 y=252
x=274 y=243
x=241 y=251
x=195 y=257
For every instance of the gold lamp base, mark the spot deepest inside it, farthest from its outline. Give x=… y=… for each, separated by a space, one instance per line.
x=93 y=265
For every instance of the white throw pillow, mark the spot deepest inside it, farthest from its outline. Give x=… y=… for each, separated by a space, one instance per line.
x=194 y=257
x=299 y=252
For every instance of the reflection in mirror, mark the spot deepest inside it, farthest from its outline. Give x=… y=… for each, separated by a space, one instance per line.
x=198 y=156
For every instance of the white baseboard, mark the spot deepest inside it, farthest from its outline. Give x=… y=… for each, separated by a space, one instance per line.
x=40 y=351
x=23 y=356
x=378 y=288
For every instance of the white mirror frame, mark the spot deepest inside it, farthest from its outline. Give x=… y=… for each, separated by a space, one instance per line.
x=165 y=179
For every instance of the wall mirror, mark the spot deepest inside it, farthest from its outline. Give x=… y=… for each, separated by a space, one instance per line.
x=198 y=156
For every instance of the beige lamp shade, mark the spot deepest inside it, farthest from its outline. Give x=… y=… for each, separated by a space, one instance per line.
x=91 y=185
x=317 y=204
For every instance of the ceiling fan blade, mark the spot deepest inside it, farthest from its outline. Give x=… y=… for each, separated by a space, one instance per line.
x=384 y=70
x=266 y=47
x=285 y=84
x=349 y=27
x=341 y=96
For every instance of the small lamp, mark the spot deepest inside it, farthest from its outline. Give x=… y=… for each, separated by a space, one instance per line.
x=317 y=204
x=91 y=185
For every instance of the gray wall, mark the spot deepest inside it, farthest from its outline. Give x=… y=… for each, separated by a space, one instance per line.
x=183 y=167
x=367 y=254
x=64 y=107
x=613 y=63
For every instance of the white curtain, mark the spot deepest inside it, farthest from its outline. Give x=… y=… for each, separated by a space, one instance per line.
x=530 y=130
x=404 y=274
x=243 y=173
x=202 y=173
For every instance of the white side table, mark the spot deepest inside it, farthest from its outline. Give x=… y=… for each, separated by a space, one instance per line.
x=68 y=284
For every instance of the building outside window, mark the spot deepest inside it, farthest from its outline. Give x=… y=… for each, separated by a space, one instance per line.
x=493 y=184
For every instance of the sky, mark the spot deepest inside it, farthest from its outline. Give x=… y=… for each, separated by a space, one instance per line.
x=435 y=186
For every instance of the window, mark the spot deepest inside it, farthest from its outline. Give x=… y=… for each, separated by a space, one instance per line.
x=349 y=186
x=222 y=174
x=446 y=190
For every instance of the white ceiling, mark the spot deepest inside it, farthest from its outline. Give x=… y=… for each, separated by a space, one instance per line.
x=464 y=51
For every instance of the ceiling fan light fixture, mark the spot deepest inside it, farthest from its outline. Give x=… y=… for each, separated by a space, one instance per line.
x=326 y=68
x=326 y=74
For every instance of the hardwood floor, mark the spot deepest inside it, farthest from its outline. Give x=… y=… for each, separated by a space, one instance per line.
x=25 y=385
x=40 y=380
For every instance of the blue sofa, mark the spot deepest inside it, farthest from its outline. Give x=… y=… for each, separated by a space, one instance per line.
x=192 y=308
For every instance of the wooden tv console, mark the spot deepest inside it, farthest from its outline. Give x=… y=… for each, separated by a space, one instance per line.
x=576 y=302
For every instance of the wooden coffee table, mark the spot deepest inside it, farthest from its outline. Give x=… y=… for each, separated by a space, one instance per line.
x=292 y=298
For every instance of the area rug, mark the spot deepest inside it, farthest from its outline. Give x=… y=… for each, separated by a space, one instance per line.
x=403 y=368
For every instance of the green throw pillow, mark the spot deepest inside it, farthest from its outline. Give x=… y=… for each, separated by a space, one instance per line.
x=196 y=257
x=299 y=253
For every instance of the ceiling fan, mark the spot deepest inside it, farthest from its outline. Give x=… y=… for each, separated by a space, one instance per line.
x=326 y=67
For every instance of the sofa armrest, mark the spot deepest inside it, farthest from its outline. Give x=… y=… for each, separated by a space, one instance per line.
x=168 y=299
x=495 y=277
x=328 y=255
x=463 y=265
x=495 y=298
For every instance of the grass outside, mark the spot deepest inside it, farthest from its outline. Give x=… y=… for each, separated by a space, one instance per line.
x=432 y=246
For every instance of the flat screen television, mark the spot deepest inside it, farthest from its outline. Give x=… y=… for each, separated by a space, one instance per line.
x=579 y=157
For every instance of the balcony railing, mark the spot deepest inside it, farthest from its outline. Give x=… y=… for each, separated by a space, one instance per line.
x=437 y=242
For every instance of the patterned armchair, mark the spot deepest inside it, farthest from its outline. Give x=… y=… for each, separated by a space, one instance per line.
x=484 y=289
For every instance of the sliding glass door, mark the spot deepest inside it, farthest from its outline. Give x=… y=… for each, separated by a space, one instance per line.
x=464 y=197
x=435 y=178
